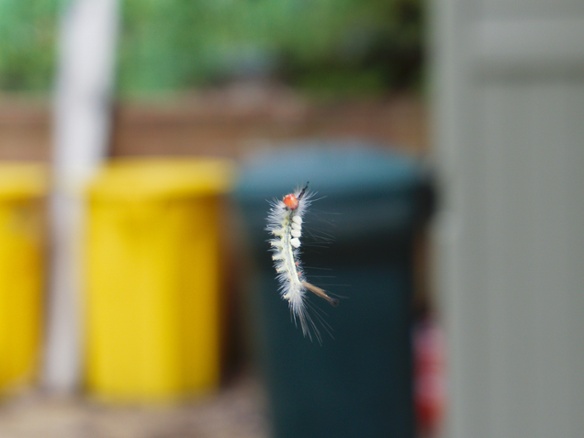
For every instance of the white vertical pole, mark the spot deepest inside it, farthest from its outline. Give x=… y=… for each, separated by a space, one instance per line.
x=81 y=132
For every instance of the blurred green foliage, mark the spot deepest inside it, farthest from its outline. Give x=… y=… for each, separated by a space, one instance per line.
x=351 y=46
x=28 y=32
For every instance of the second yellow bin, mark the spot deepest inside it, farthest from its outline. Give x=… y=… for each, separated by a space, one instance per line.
x=23 y=189
x=153 y=278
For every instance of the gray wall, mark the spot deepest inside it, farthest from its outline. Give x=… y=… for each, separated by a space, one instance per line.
x=508 y=111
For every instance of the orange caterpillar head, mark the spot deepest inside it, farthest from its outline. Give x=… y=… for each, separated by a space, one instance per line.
x=290 y=201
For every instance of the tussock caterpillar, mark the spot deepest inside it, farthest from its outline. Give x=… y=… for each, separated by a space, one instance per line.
x=285 y=225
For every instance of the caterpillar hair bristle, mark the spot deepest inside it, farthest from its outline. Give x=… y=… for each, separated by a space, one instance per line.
x=285 y=221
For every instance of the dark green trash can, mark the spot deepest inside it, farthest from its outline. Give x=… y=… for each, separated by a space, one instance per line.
x=357 y=243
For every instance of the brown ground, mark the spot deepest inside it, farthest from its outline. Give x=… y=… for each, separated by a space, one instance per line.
x=237 y=411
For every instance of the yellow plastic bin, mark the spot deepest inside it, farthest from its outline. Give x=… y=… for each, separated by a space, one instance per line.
x=22 y=249
x=153 y=279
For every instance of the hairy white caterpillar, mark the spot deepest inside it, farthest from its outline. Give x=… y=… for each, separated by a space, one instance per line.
x=285 y=225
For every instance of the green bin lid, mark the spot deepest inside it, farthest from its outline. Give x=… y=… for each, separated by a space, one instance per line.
x=361 y=189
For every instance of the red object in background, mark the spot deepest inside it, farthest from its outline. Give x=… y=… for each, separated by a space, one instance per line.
x=429 y=376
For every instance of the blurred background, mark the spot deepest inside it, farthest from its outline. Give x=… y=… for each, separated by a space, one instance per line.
x=139 y=142
x=230 y=74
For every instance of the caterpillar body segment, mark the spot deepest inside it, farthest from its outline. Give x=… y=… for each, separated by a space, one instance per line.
x=285 y=221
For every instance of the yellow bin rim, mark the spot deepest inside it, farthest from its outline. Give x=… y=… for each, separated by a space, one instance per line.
x=144 y=178
x=23 y=180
